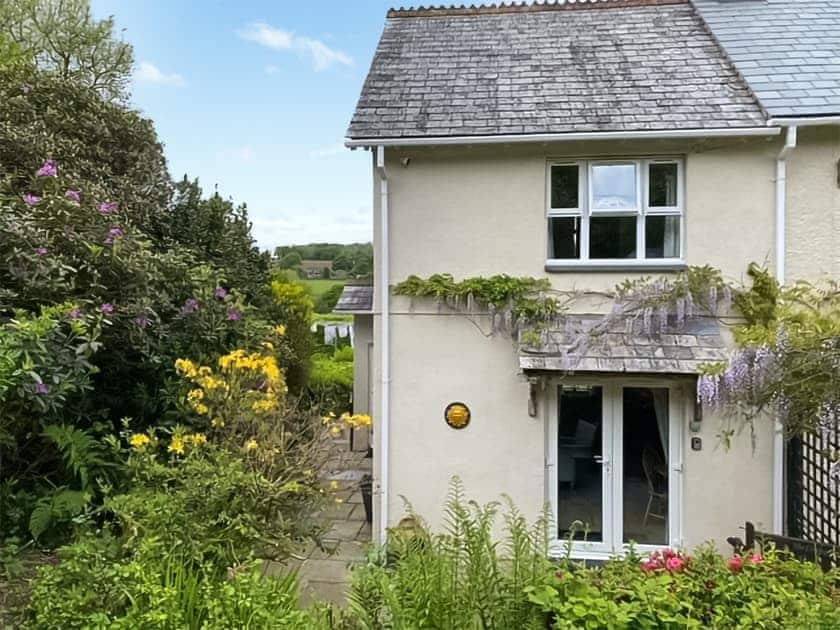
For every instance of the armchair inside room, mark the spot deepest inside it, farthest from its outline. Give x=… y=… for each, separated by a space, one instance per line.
x=569 y=451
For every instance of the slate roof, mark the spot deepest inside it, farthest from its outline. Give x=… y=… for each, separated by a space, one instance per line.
x=612 y=65
x=355 y=298
x=679 y=349
x=787 y=50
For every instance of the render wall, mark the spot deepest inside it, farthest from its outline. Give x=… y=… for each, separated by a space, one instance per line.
x=481 y=211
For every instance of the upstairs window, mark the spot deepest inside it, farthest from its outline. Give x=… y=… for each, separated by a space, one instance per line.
x=615 y=211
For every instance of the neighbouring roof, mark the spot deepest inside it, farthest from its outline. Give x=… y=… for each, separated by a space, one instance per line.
x=680 y=349
x=611 y=65
x=355 y=298
x=787 y=50
x=316 y=264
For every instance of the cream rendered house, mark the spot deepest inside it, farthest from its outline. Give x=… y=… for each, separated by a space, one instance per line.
x=588 y=142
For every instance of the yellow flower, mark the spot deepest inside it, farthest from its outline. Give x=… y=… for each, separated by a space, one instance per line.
x=217 y=423
x=280 y=330
x=202 y=409
x=291 y=486
x=335 y=430
x=264 y=405
x=139 y=441
x=177 y=445
x=251 y=445
x=204 y=371
x=196 y=438
x=268 y=345
x=334 y=485
x=339 y=501
x=195 y=396
x=185 y=367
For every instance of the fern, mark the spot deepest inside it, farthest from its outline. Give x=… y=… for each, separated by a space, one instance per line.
x=59 y=506
x=83 y=454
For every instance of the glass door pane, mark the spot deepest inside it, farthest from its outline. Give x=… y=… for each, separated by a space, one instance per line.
x=645 y=456
x=580 y=487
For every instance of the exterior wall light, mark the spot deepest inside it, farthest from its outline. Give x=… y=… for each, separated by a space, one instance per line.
x=457 y=415
x=535 y=386
x=697 y=421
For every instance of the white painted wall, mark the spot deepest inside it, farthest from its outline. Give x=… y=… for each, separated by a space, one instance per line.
x=481 y=211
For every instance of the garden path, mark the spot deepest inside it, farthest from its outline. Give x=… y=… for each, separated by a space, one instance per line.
x=325 y=573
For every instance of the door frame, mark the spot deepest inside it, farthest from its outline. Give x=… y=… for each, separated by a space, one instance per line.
x=679 y=398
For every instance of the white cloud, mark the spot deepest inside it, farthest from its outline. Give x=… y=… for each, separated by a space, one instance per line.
x=322 y=56
x=309 y=225
x=150 y=73
x=238 y=154
x=336 y=149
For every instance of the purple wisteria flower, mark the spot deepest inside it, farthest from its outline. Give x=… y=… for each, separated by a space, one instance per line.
x=73 y=195
x=234 y=316
x=75 y=314
x=31 y=200
x=190 y=306
x=43 y=251
x=107 y=308
x=834 y=473
x=708 y=390
x=48 y=169
x=41 y=388
x=113 y=234
x=108 y=207
x=221 y=293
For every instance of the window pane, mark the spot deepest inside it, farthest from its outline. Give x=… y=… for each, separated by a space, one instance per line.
x=612 y=237
x=564 y=186
x=662 y=187
x=614 y=187
x=662 y=237
x=564 y=237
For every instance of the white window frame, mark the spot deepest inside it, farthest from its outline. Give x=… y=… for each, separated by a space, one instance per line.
x=680 y=406
x=585 y=211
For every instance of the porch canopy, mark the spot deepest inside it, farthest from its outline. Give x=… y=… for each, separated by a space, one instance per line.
x=589 y=343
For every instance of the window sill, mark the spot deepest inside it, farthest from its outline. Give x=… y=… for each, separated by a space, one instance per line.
x=632 y=267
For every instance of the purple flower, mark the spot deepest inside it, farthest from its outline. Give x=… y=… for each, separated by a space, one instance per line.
x=42 y=251
x=107 y=308
x=113 y=234
x=190 y=306
x=48 y=169
x=834 y=473
x=234 y=316
x=31 y=200
x=221 y=293
x=108 y=207
x=75 y=314
x=41 y=388
x=73 y=195
x=26 y=88
x=707 y=390
x=142 y=320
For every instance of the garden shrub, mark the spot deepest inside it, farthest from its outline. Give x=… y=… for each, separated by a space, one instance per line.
x=331 y=381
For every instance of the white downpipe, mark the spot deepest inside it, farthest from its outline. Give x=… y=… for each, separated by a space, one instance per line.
x=781 y=252
x=385 y=349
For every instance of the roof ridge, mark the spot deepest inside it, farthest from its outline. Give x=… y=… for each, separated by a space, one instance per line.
x=523 y=6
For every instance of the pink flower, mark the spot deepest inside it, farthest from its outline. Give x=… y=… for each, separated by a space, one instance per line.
x=75 y=314
x=736 y=564
x=31 y=200
x=757 y=558
x=190 y=306
x=234 y=316
x=48 y=169
x=674 y=563
x=221 y=293
x=108 y=207
x=41 y=388
x=650 y=565
x=142 y=320
x=42 y=251
x=107 y=308
x=113 y=234
x=73 y=195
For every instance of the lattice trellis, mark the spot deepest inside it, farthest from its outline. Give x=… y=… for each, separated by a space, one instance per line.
x=813 y=501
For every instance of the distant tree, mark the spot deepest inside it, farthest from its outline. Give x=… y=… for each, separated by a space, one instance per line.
x=362 y=268
x=65 y=40
x=343 y=262
x=325 y=273
x=326 y=303
x=290 y=261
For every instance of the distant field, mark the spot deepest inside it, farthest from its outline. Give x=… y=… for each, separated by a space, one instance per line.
x=319 y=287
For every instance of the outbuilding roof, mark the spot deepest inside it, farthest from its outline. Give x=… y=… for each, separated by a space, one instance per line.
x=787 y=50
x=610 y=65
x=355 y=298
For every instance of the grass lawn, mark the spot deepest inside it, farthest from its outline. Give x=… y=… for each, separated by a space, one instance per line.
x=319 y=287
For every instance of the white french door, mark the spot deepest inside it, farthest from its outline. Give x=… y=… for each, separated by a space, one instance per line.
x=614 y=464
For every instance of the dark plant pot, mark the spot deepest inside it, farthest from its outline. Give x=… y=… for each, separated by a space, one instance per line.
x=366 y=486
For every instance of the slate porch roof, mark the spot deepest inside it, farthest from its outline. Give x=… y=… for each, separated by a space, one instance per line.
x=787 y=50
x=612 y=65
x=679 y=349
x=355 y=298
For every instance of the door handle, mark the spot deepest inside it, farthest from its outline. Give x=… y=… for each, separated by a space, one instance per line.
x=604 y=461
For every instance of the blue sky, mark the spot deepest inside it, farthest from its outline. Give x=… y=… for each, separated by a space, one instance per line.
x=255 y=96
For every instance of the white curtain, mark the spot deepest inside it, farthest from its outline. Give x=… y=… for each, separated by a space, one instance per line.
x=672 y=237
x=660 y=407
